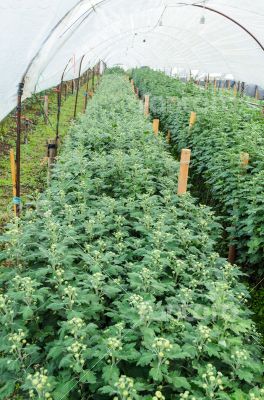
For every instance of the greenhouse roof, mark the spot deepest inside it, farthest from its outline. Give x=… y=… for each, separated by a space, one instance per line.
x=40 y=37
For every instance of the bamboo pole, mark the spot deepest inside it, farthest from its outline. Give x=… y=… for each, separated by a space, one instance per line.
x=146 y=105
x=156 y=126
x=193 y=118
x=214 y=85
x=13 y=174
x=244 y=158
x=184 y=171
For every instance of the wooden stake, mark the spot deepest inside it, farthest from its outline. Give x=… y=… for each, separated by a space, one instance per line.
x=214 y=85
x=229 y=84
x=184 y=171
x=137 y=92
x=168 y=137
x=232 y=254
x=146 y=105
x=156 y=126
x=193 y=118
x=257 y=95
x=13 y=174
x=235 y=89
x=244 y=158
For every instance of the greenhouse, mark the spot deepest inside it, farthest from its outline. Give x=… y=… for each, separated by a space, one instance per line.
x=132 y=200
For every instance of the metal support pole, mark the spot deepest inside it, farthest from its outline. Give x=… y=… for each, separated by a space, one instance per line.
x=13 y=175
x=17 y=200
x=87 y=89
x=58 y=111
x=78 y=87
x=59 y=94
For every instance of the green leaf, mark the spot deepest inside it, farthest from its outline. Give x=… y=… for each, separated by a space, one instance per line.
x=145 y=359
x=190 y=350
x=55 y=306
x=212 y=349
x=55 y=352
x=245 y=375
x=110 y=373
x=107 y=390
x=179 y=382
x=88 y=377
x=7 y=390
x=27 y=313
x=156 y=374
x=66 y=361
x=63 y=389
x=239 y=395
x=111 y=291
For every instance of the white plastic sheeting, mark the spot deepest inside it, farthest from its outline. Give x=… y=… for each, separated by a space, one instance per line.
x=39 y=37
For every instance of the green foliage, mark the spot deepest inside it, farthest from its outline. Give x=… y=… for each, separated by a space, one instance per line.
x=226 y=127
x=115 y=290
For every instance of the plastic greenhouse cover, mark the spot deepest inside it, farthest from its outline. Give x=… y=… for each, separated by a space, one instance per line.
x=39 y=37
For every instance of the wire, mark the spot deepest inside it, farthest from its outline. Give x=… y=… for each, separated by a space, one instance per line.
x=88 y=12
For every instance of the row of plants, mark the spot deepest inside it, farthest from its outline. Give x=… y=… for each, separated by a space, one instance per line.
x=111 y=286
x=35 y=134
x=226 y=128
